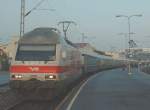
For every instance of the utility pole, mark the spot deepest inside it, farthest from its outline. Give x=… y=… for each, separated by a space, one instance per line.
x=66 y=25
x=22 y=18
x=24 y=14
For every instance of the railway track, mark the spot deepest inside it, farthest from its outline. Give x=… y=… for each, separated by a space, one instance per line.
x=14 y=100
x=28 y=100
x=33 y=105
x=29 y=104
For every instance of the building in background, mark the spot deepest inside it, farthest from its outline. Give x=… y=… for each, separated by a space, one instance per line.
x=7 y=50
x=140 y=54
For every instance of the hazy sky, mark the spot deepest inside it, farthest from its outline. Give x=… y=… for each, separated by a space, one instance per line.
x=95 y=18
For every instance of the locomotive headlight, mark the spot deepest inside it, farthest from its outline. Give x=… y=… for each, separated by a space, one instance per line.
x=18 y=76
x=50 y=77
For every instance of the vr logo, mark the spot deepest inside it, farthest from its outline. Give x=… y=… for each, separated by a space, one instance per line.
x=34 y=69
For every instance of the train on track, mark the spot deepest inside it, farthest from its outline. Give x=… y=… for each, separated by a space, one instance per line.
x=44 y=59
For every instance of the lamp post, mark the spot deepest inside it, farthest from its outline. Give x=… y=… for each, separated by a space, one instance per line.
x=125 y=36
x=129 y=33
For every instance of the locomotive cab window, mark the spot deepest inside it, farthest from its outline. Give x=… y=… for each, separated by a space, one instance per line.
x=36 y=53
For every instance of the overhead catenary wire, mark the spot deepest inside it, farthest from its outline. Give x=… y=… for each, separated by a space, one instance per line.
x=65 y=25
x=35 y=7
x=23 y=14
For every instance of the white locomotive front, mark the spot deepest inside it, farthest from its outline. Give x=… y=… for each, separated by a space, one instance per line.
x=42 y=59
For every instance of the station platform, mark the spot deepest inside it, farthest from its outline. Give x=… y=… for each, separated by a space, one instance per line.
x=113 y=90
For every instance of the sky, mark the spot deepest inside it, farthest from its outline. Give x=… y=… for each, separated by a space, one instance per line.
x=95 y=18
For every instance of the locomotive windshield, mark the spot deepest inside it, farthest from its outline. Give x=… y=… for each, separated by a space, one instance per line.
x=36 y=53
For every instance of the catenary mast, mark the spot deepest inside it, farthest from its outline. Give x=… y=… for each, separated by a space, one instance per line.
x=22 y=18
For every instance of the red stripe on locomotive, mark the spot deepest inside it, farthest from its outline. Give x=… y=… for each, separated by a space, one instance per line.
x=36 y=69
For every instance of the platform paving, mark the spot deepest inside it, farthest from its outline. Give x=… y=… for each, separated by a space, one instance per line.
x=114 y=90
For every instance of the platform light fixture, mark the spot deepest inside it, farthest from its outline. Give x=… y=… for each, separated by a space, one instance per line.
x=129 y=30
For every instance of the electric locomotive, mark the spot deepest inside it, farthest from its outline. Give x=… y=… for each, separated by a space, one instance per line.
x=44 y=59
